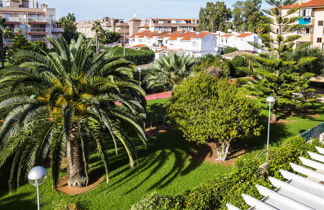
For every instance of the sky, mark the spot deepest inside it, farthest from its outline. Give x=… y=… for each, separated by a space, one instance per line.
x=97 y=9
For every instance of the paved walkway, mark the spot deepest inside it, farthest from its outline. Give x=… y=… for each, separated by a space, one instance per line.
x=158 y=96
x=154 y=96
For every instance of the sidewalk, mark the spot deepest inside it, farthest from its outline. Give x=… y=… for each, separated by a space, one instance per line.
x=158 y=96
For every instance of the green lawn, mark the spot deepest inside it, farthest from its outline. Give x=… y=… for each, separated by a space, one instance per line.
x=166 y=167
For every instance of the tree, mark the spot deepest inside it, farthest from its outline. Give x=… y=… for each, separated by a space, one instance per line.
x=21 y=43
x=57 y=104
x=207 y=109
x=214 y=65
x=215 y=17
x=100 y=32
x=247 y=15
x=316 y=66
x=69 y=26
x=277 y=75
x=102 y=36
x=4 y=32
x=169 y=70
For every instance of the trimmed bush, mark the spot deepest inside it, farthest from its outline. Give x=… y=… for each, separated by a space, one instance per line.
x=138 y=57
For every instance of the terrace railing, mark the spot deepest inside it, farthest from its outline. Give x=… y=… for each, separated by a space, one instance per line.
x=314 y=132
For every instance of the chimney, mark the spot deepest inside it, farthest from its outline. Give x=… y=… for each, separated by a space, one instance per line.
x=300 y=2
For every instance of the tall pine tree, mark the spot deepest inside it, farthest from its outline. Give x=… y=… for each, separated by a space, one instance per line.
x=277 y=75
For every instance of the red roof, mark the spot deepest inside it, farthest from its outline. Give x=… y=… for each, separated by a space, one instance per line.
x=140 y=45
x=173 y=38
x=186 y=39
x=244 y=35
x=227 y=35
x=310 y=3
x=135 y=19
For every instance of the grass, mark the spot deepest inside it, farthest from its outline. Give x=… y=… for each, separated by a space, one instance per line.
x=166 y=167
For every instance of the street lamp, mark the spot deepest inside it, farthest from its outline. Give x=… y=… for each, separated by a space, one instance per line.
x=270 y=100
x=139 y=73
x=36 y=177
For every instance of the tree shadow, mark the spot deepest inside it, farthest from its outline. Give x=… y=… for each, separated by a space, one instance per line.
x=311 y=112
x=164 y=146
x=17 y=202
x=278 y=132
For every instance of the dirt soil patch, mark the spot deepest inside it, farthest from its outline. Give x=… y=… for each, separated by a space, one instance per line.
x=156 y=130
x=94 y=181
x=207 y=152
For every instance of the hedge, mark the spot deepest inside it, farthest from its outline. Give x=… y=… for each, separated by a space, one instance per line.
x=138 y=57
x=242 y=179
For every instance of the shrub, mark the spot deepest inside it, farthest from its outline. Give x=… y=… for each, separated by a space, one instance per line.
x=64 y=205
x=229 y=50
x=138 y=57
x=240 y=65
x=289 y=152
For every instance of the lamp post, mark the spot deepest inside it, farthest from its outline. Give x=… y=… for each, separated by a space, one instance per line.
x=270 y=100
x=139 y=73
x=36 y=177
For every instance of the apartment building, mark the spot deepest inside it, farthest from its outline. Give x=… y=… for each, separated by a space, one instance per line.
x=136 y=25
x=107 y=23
x=311 y=13
x=168 y=24
x=36 y=21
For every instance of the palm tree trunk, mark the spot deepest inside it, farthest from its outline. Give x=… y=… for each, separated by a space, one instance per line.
x=97 y=45
x=1 y=50
x=75 y=162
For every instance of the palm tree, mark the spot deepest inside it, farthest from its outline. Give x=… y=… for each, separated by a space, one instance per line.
x=100 y=33
x=57 y=104
x=169 y=70
x=4 y=33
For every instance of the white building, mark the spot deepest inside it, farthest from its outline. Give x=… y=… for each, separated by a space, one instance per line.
x=241 y=41
x=196 y=44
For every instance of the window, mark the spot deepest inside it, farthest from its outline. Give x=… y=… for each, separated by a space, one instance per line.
x=306 y=12
x=307 y=30
x=194 y=44
x=320 y=23
x=319 y=40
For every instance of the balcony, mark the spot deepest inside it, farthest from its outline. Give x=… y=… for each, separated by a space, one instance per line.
x=40 y=20
x=305 y=37
x=33 y=39
x=15 y=19
x=37 y=31
x=306 y=21
x=175 y=24
x=57 y=30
